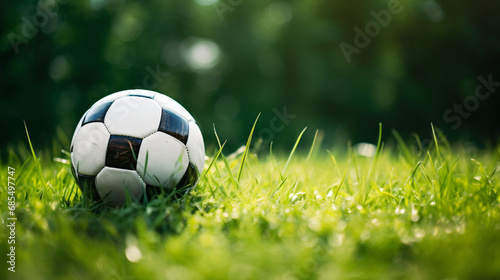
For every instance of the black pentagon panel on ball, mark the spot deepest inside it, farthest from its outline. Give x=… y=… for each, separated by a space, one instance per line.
x=189 y=178
x=122 y=152
x=87 y=186
x=174 y=125
x=97 y=113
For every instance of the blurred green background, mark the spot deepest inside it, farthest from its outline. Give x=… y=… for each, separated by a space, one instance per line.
x=228 y=60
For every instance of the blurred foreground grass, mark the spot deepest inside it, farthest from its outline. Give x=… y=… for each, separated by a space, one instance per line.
x=400 y=213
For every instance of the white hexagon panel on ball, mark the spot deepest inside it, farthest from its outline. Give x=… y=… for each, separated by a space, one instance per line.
x=133 y=116
x=114 y=184
x=162 y=160
x=89 y=148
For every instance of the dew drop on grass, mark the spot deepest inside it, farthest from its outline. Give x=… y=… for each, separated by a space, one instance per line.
x=400 y=211
x=297 y=196
x=329 y=194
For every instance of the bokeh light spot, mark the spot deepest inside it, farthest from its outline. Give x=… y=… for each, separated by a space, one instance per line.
x=200 y=54
x=280 y=12
x=59 y=68
x=206 y=2
x=133 y=253
x=366 y=149
x=433 y=10
x=98 y=4
x=129 y=25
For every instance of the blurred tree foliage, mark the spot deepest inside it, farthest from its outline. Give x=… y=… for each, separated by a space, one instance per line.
x=228 y=60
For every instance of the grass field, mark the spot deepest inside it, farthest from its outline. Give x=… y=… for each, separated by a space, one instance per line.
x=403 y=212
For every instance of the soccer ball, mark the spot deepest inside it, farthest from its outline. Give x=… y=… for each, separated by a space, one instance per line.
x=134 y=143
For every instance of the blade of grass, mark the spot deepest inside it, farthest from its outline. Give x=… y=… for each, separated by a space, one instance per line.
x=273 y=160
x=375 y=159
x=342 y=181
x=230 y=173
x=247 y=147
x=202 y=176
x=37 y=163
x=334 y=162
x=278 y=187
x=293 y=150
x=437 y=145
x=312 y=146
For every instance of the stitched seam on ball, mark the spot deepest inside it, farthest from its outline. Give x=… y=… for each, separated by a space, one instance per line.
x=187 y=151
x=107 y=129
x=123 y=135
x=149 y=134
x=142 y=179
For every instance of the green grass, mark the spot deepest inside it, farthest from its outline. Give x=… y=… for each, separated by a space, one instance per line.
x=406 y=213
